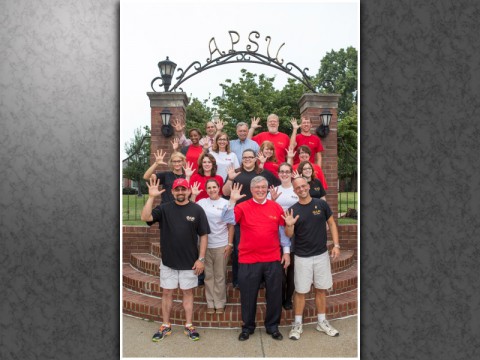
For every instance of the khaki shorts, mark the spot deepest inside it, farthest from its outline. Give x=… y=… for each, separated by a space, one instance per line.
x=314 y=269
x=171 y=278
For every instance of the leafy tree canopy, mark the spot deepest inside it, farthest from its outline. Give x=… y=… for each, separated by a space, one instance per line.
x=340 y=67
x=138 y=151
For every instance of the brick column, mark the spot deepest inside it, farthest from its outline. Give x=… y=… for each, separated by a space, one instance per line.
x=311 y=106
x=177 y=104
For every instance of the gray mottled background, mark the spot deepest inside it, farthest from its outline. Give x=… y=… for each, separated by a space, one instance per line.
x=59 y=156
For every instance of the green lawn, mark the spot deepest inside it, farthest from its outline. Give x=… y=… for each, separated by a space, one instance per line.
x=347 y=200
x=132 y=208
x=133 y=205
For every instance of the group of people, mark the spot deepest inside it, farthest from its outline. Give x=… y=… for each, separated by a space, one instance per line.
x=254 y=200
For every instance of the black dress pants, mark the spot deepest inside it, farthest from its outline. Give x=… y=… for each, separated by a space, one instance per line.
x=249 y=278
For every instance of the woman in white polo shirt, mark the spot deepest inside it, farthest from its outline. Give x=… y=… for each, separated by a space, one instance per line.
x=219 y=249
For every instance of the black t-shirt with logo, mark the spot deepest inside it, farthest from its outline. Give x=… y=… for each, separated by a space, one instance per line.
x=180 y=226
x=245 y=177
x=316 y=189
x=311 y=227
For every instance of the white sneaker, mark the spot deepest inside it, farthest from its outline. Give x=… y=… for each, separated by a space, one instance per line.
x=297 y=330
x=324 y=326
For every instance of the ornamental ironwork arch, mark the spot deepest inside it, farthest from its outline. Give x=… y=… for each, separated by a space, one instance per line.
x=250 y=55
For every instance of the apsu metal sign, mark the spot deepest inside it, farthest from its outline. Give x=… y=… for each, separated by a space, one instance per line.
x=250 y=54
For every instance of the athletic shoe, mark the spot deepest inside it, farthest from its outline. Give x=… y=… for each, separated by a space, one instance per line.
x=210 y=311
x=324 y=326
x=297 y=330
x=191 y=333
x=162 y=333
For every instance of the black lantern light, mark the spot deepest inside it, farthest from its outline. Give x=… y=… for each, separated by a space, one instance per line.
x=167 y=129
x=323 y=130
x=167 y=68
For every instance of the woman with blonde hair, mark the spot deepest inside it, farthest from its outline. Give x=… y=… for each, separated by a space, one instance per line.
x=178 y=169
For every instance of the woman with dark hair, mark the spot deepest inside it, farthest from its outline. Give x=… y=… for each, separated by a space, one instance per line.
x=220 y=246
x=305 y=169
x=304 y=155
x=207 y=169
x=193 y=151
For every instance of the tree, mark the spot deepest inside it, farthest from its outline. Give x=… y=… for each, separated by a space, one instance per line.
x=255 y=95
x=340 y=67
x=347 y=145
x=197 y=115
x=138 y=160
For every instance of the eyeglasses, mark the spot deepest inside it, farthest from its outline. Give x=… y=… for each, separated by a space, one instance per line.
x=307 y=168
x=248 y=157
x=284 y=172
x=177 y=161
x=260 y=187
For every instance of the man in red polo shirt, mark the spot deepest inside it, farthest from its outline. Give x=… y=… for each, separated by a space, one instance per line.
x=306 y=138
x=259 y=257
x=280 y=140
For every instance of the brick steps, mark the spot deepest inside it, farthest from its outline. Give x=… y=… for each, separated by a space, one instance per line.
x=141 y=282
x=149 y=307
x=142 y=295
x=155 y=248
x=150 y=263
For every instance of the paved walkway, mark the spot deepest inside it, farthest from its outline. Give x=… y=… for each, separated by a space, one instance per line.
x=137 y=342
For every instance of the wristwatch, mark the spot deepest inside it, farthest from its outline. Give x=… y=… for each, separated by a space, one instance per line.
x=201 y=259
x=337 y=246
x=230 y=244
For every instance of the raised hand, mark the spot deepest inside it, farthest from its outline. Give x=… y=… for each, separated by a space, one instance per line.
x=273 y=193
x=153 y=187
x=235 y=192
x=177 y=125
x=219 y=124
x=159 y=156
x=290 y=152
x=188 y=169
x=289 y=219
x=196 y=189
x=206 y=142
x=295 y=174
x=261 y=157
x=254 y=124
x=294 y=123
x=232 y=174
x=175 y=144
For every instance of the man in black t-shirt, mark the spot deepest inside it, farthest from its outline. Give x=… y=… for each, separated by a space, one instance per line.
x=181 y=222
x=307 y=220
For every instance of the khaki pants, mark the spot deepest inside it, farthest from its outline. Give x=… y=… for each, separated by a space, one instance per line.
x=215 y=278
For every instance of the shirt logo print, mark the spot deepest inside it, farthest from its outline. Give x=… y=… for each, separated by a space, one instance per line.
x=190 y=218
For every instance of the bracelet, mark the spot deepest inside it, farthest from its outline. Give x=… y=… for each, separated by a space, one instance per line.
x=230 y=244
x=337 y=246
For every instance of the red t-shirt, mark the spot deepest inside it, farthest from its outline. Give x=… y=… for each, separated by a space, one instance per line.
x=259 y=239
x=318 y=173
x=192 y=155
x=203 y=180
x=272 y=167
x=312 y=141
x=280 y=140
